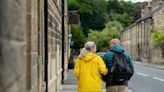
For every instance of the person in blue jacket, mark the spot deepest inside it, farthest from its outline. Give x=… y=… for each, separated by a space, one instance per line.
x=116 y=47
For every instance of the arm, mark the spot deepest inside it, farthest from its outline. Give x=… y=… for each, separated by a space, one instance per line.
x=108 y=59
x=105 y=59
x=77 y=69
x=130 y=62
x=102 y=67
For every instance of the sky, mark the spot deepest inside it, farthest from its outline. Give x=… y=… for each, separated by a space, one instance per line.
x=137 y=0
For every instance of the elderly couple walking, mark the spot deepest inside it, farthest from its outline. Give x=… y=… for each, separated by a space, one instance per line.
x=115 y=68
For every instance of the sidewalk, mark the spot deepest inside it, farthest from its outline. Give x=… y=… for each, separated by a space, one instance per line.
x=70 y=85
x=150 y=65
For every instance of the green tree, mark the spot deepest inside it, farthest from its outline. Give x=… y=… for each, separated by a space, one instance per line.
x=93 y=36
x=124 y=12
x=124 y=19
x=73 y=5
x=158 y=38
x=91 y=12
x=77 y=37
x=94 y=14
x=101 y=38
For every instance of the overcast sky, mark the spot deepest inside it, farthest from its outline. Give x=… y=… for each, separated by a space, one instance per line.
x=137 y=0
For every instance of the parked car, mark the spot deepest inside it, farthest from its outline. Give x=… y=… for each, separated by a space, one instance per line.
x=101 y=54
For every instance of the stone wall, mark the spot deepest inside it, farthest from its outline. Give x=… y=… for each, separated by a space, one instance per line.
x=13 y=46
x=55 y=40
x=139 y=39
x=158 y=26
x=140 y=42
x=22 y=52
x=35 y=38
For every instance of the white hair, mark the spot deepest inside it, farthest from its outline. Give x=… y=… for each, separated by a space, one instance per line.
x=116 y=41
x=87 y=48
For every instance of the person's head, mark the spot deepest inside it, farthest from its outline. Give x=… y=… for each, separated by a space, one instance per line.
x=89 y=47
x=114 y=42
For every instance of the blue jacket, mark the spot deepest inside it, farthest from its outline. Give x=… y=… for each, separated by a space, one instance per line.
x=109 y=55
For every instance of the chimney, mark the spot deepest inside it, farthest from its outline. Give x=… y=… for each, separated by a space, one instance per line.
x=142 y=13
x=147 y=9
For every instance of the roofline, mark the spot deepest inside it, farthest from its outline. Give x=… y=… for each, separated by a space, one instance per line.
x=147 y=16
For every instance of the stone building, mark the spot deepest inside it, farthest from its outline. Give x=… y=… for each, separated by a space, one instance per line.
x=137 y=38
x=34 y=45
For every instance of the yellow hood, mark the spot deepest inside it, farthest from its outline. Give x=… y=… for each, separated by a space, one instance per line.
x=88 y=57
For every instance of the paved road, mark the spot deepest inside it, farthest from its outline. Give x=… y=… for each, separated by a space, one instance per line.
x=147 y=79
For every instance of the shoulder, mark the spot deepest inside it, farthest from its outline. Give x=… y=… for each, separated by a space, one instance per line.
x=79 y=59
x=98 y=57
x=109 y=54
x=127 y=54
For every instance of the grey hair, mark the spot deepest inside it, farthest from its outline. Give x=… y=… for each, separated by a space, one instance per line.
x=116 y=40
x=87 y=48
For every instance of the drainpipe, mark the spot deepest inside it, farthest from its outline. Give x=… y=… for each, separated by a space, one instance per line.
x=63 y=36
x=46 y=43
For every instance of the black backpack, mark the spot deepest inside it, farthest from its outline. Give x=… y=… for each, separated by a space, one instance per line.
x=120 y=70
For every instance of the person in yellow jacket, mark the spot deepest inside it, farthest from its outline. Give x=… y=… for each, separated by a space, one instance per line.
x=88 y=69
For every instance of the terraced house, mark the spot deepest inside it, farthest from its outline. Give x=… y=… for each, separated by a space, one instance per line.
x=138 y=38
x=34 y=45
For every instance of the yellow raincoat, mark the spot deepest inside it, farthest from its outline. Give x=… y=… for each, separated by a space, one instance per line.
x=87 y=71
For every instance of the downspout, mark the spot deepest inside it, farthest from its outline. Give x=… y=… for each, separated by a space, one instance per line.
x=63 y=36
x=46 y=43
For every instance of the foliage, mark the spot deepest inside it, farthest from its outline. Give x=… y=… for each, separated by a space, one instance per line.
x=91 y=14
x=101 y=38
x=77 y=37
x=71 y=62
x=158 y=38
x=102 y=20
x=71 y=59
x=124 y=19
x=115 y=24
x=95 y=13
x=124 y=12
x=73 y=4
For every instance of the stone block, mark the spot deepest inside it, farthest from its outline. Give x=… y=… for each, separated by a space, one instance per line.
x=34 y=75
x=13 y=61
x=14 y=25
